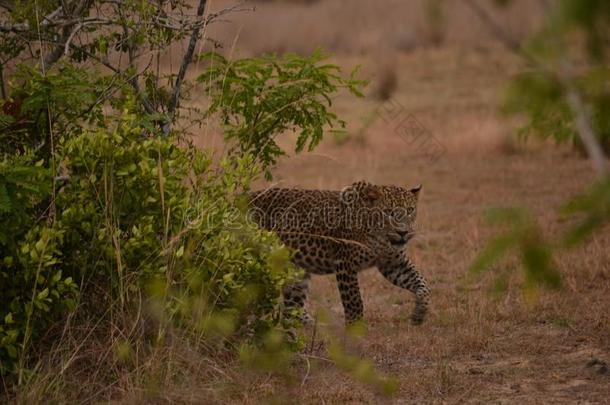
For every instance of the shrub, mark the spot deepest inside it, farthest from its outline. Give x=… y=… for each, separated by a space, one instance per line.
x=141 y=214
x=106 y=209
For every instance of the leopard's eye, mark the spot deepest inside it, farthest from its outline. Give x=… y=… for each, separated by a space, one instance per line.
x=397 y=214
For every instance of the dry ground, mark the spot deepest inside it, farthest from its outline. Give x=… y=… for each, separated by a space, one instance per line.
x=475 y=347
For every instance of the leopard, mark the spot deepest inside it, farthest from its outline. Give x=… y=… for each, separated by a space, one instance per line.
x=343 y=232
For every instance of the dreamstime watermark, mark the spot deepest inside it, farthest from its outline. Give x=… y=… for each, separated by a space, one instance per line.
x=330 y=217
x=347 y=213
x=411 y=130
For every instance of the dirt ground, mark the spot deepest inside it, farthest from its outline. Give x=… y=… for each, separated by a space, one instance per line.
x=475 y=347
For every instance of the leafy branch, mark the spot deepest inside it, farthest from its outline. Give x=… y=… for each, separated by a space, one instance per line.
x=565 y=101
x=259 y=98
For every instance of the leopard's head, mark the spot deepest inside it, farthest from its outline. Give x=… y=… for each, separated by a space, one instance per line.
x=385 y=212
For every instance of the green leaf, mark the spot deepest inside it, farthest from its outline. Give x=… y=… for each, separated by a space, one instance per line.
x=12 y=351
x=494 y=250
x=8 y=319
x=43 y=294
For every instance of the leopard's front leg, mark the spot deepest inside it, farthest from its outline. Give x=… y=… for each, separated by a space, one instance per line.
x=347 y=282
x=401 y=272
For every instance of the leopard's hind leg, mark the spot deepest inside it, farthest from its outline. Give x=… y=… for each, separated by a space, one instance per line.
x=295 y=295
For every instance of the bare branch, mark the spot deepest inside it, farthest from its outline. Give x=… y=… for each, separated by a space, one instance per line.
x=56 y=53
x=188 y=56
x=185 y=25
x=79 y=26
x=48 y=19
x=79 y=10
x=25 y=27
x=133 y=81
x=186 y=60
x=582 y=117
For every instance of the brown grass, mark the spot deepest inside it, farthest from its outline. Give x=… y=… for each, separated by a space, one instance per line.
x=475 y=347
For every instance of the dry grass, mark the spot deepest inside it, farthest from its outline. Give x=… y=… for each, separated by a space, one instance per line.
x=474 y=347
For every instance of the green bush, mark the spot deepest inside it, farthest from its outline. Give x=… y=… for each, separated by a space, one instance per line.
x=541 y=98
x=106 y=209
x=139 y=212
x=44 y=107
x=113 y=225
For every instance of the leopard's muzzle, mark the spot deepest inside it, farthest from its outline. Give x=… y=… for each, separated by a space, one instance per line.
x=400 y=238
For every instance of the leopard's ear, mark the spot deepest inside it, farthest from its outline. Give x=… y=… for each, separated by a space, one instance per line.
x=360 y=190
x=370 y=193
x=415 y=190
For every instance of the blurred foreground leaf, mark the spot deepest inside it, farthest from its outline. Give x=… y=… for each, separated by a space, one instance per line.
x=594 y=209
x=523 y=235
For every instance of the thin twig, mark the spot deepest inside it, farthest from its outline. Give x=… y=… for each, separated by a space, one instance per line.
x=80 y=26
x=2 y=89
x=150 y=109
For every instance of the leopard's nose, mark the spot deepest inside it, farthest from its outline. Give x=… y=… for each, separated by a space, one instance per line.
x=402 y=234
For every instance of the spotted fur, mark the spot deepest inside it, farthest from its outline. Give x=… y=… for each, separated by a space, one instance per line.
x=342 y=233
